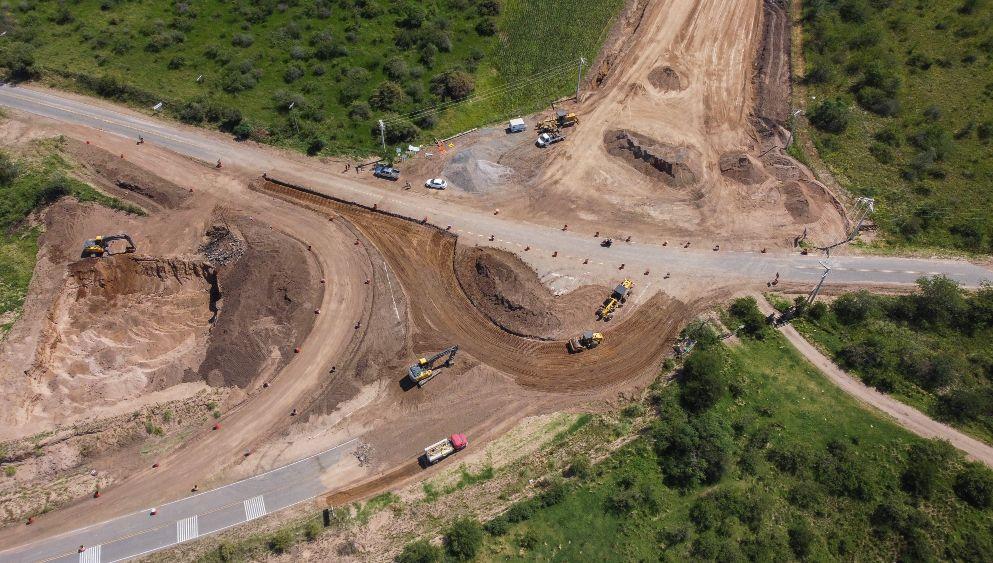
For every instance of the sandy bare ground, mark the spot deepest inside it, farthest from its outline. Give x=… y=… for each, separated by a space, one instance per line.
x=904 y=415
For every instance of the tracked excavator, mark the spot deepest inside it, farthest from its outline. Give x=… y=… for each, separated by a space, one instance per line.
x=100 y=245
x=616 y=299
x=588 y=340
x=425 y=369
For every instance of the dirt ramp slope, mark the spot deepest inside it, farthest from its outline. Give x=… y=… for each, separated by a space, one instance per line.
x=510 y=294
x=270 y=286
x=124 y=325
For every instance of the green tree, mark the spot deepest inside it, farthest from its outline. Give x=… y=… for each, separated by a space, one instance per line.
x=703 y=383
x=453 y=85
x=387 y=96
x=464 y=538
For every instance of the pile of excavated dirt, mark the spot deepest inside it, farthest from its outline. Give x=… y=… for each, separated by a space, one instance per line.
x=742 y=168
x=673 y=165
x=270 y=286
x=665 y=79
x=124 y=325
x=510 y=294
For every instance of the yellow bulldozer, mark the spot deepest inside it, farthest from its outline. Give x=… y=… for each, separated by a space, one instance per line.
x=616 y=299
x=588 y=340
x=99 y=245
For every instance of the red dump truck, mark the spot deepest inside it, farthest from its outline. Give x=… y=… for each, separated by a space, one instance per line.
x=444 y=448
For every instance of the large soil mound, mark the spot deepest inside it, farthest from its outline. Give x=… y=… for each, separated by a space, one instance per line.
x=510 y=294
x=672 y=165
x=126 y=324
x=664 y=78
x=270 y=287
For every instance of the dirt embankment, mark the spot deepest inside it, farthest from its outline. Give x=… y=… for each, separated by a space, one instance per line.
x=773 y=69
x=676 y=166
x=510 y=294
x=124 y=325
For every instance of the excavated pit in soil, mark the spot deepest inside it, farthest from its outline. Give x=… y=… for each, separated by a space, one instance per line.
x=673 y=165
x=126 y=324
x=796 y=203
x=510 y=294
x=665 y=79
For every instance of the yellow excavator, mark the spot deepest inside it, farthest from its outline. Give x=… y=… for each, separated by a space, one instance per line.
x=425 y=368
x=588 y=340
x=99 y=245
x=616 y=299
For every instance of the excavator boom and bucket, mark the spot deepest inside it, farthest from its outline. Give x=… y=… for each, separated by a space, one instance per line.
x=426 y=368
x=100 y=245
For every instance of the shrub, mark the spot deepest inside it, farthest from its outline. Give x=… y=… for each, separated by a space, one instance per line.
x=397 y=131
x=486 y=27
x=396 y=69
x=325 y=47
x=529 y=539
x=877 y=101
x=18 y=58
x=281 y=541
x=802 y=539
x=387 y=96
x=853 y=308
x=497 y=526
x=312 y=530
x=242 y=40
x=293 y=73
x=419 y=552
x=489 y=8
x=746 y=310
x=693 y=452
x=925 y=466
x=10 y=471
x=359 y=111
x=830 y=116
x=975 y=485
x=9 y=170
x=580 y=467
x=464 y=538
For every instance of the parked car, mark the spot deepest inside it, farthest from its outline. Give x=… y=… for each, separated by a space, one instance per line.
x=436 y=184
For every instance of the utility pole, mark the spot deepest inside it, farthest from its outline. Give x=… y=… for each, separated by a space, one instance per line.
x=863 y=207
x=382 y=134
x=817 y=289
x=579 y=77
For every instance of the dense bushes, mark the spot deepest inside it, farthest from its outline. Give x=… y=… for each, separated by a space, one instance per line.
x=830 y=115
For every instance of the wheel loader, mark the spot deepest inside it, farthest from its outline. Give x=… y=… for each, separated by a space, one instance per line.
x=616 y=299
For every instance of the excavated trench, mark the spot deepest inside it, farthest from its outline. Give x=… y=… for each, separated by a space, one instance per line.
x=676 y=166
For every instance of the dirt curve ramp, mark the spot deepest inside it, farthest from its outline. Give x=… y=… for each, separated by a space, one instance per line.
x=423 y=259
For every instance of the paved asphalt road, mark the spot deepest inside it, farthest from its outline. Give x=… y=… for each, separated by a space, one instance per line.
x=572 y=247
x=186 y=519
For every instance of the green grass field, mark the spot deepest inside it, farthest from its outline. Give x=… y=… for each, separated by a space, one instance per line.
x=783 y=466
x=314 y=75
x=26 y=185
x=914 y=127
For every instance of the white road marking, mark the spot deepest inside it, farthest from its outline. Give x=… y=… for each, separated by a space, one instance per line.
x=392 y=296
x=91 y=555
x=187 y=529
x=254 y=508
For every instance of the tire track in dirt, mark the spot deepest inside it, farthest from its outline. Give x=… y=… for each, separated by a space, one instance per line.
x=423 y=260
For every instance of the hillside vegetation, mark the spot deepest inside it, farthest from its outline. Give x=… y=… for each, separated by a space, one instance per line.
x=930 y=349
x=27 y=184
x=901 y=95
x=751 y=455
x=313 y=74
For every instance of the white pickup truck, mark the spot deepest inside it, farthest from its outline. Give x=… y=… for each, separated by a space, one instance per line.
x=444 y=448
